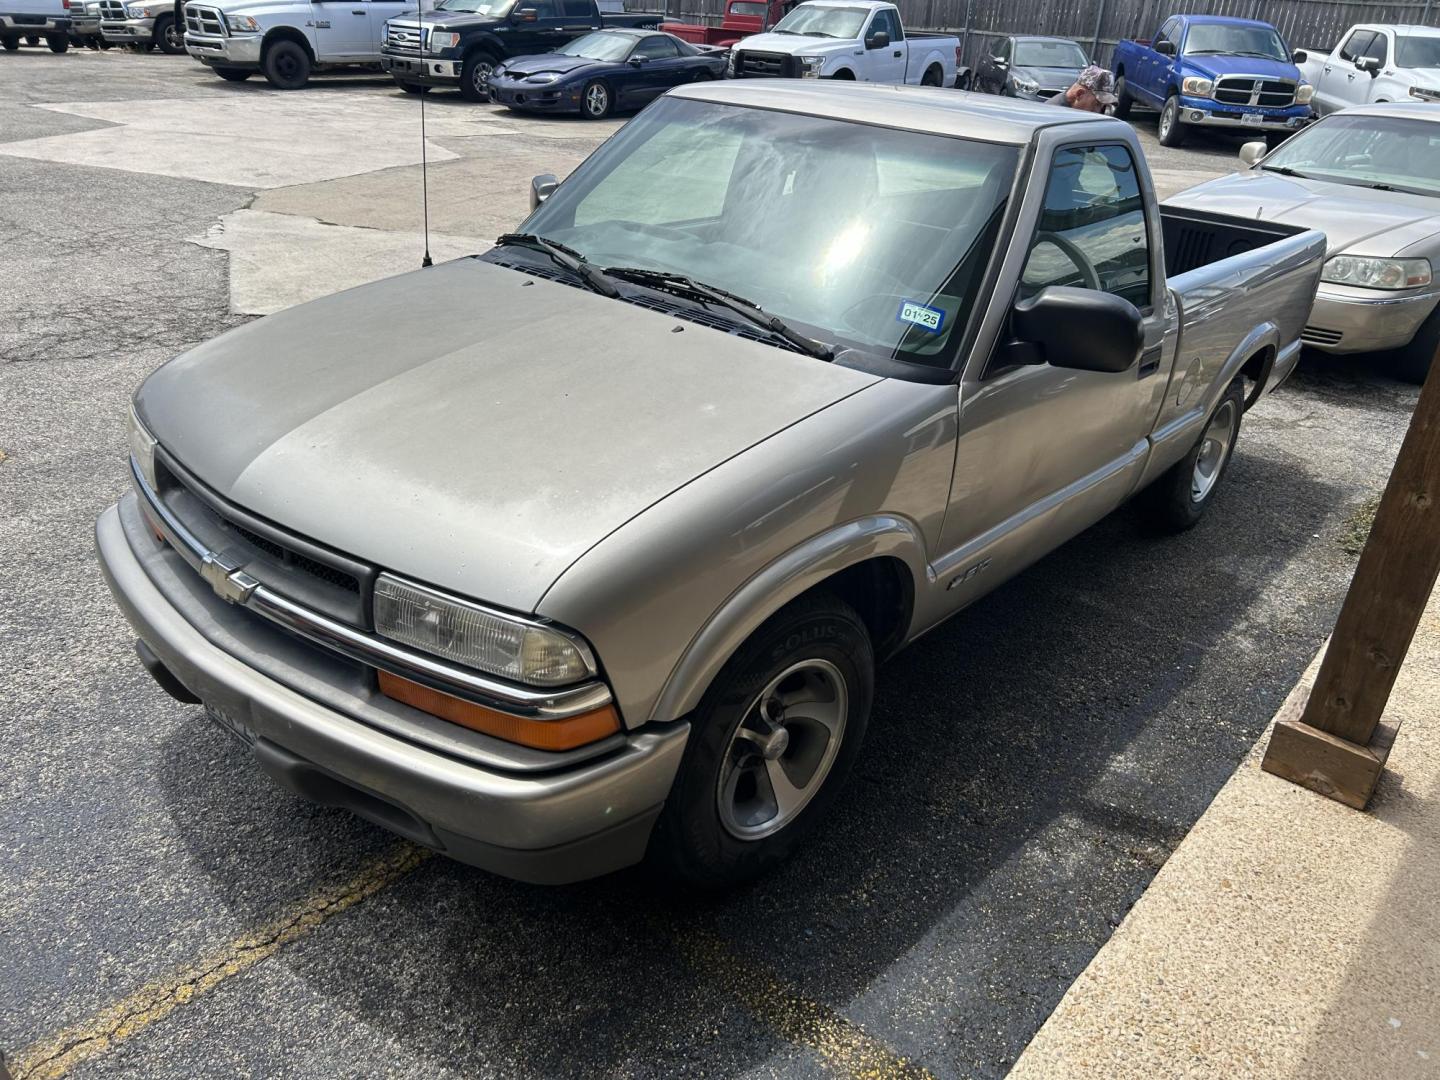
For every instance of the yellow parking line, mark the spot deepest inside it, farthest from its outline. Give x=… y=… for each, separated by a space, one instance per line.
x=55 y=1056
x=845 y=1047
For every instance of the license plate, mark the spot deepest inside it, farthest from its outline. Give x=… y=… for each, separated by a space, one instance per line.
x=237 y=728
x=1255 y=119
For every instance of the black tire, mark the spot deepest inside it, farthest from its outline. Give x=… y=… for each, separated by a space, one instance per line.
x=1171 y=130
x=286 y=65
x=58 y=43
x=233 y=74
x=1171 y=503
x=964 y=81
x=411 y=87
x=10 y=44
x=169 y=38
x=1123 y=101
x=596 y=100
x=691 y=842
x=32 y=39
x=474 y=74
x=1275 y=138
x=1412 y=362
x=102 y=44
x=933 y=76
x=844 y=75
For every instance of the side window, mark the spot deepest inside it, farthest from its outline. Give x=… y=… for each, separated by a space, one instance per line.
x=889 y=21
x=1356 y=44
x=1004 y=48
x=1092 y=232
x=576 y=9
x=1380 y=48
x=656 y=47
x=1167 y=32
x=546 y=9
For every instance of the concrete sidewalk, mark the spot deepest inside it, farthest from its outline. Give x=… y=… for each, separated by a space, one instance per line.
x=1287 y=936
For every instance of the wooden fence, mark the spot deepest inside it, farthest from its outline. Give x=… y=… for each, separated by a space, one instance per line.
x=1099 y=24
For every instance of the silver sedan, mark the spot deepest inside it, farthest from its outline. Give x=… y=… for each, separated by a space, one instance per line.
x=1369 y=178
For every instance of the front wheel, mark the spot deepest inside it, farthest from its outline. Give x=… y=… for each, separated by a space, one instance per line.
x=595 y=100
x=770 y=745
x=10 y=44
x=1412 y=362
x=1172 y=131
x=58 y=43
x=1123 y=101
x=1274 y=138
x=475 y=76
x=286 y=65
x=169 y=36
x=1177 y=500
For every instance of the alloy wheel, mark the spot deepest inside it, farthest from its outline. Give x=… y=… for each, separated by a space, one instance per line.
x=1214 y=449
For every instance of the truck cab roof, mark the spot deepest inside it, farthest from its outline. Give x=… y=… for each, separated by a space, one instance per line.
x=917 y=108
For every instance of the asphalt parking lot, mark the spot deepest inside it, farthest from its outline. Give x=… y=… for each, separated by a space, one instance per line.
x=166 y=912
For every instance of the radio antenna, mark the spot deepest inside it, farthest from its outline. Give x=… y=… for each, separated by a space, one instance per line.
x=424 y=163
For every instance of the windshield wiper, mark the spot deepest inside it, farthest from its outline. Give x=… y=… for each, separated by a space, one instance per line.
x=680 y=285
x=1285 y=170
x=567 y=257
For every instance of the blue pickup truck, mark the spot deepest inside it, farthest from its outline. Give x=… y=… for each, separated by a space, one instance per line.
x=1213 y=71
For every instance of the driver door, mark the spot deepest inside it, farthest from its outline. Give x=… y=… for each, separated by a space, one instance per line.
x=1336 y=87
x=887 y=63
x=1045 y=449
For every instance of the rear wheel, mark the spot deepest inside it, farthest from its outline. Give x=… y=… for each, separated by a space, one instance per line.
x=286 y=65
x=475 y=76
x=169 y=36
x=595 y=100
x=933 y=76
x=770 y=745
x=10 y=44
x=1171 y=131
x=963 y=81
x=1123 y=101
x=58 y=42
x=233 y=74
x=1177 y=500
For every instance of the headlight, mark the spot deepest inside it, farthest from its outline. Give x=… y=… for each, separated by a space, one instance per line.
x=1424 y=93
x=242 y=24
x=142 y=447
x=446 y=40
x=489 y=641
x=1025 y=86
x=1195 y=86
x=139 y=12
x=1303 y=93
x=1376 y=273
x=811 y=66
x=543 y=77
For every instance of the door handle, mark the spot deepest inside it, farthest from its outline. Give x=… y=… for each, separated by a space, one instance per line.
x=1149 y=362
x=895 y=54
x=1327 y=69
x=357 y=11
x=1349 y=78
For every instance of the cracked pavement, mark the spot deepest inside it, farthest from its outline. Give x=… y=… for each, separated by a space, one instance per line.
x=1029 y=767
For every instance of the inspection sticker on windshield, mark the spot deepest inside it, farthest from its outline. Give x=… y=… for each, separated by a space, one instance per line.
x=917 y=314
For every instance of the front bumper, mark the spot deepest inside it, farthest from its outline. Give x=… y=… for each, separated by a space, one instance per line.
x=1351 y=320
x=537 y=98
x=239 y=51
x=9 y=24
x=572 y=822
x=425 y=70
x=129 y=32
x=1206 y=112
x=85 y=26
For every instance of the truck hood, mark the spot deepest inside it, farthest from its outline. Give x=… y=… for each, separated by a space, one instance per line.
x=1354 y=219
x=1215 y=66
x=447 y=18
x=470 y=425
x=792 y=44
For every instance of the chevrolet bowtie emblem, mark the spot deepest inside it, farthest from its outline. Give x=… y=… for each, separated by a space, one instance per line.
x=230 y=583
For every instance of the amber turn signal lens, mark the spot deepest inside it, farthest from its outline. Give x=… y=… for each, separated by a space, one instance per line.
x=540 y=734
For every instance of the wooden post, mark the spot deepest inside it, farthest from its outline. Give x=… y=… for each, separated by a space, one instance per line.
x=1334 y=747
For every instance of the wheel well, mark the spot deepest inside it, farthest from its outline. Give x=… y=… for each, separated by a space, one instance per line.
x=1120 y=71
x=286 y=33
x=1257 y=369
x=844 y=73
x=482 y=46
x=937 y=69
x=882 y=594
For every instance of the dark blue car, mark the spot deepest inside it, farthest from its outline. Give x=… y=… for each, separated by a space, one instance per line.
x=604 y=71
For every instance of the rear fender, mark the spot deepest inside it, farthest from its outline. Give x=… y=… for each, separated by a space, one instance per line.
x=1264 y=338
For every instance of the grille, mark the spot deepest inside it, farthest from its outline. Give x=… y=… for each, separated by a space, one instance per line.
x=404 y=38
x=1253 y=90
x=338 y=578
x=764 y=65
x=112 y=9
x=204 y=20
x=1315 y=335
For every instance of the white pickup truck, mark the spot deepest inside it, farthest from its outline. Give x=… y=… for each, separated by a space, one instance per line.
x=1375 y=62
x=861 y=40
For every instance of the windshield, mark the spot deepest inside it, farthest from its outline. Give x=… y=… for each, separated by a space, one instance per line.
x=1417 y=52
x=1366 y=150
x=857 y=235
x=1049 y=54
x=497 y=8
x=1235 y=41
x=599 y=47
x=833 y=22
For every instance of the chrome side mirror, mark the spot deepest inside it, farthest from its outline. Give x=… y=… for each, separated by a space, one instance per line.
x=1252 y=152
x=544 y=185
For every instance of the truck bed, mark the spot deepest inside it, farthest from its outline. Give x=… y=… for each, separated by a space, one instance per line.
x=1195 y=238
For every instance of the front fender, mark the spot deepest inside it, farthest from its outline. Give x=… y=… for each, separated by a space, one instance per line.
x=794 y=573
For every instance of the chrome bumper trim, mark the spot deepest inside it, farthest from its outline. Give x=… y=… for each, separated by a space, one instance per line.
x=505 y=697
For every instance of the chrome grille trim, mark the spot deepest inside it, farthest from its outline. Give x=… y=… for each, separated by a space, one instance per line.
x=204 y=21
x=1255 y=90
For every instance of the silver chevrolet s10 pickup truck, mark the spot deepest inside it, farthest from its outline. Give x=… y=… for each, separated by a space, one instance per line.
x=566 y=553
